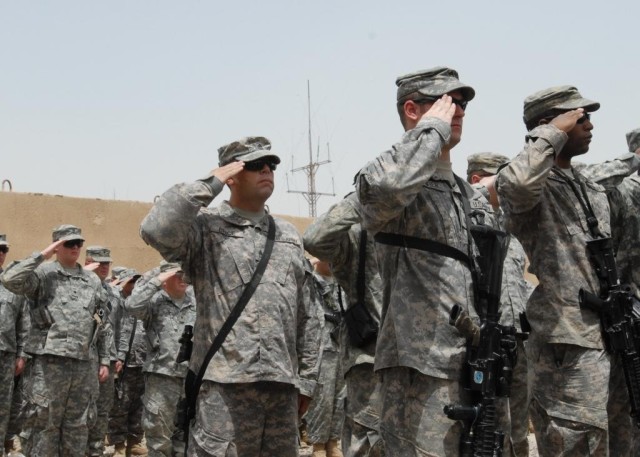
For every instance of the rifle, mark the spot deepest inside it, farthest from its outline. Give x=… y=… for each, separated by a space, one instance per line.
x=491 y=350
x=619 y=317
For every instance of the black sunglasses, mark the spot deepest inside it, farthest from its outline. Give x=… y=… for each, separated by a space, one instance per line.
x=4 y=249
x=461 y=103
x=73 y=244
x=258 y=165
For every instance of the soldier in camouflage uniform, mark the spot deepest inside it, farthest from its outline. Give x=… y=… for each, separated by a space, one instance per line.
x=165 y=304
x=14 y=329
x=325 y=416
x=67 y=310
x=125 y=421
x=578 y=392
x=481 y=171
x=98 y=260
x=265 y=372
x=335 y=237
x=411 y=191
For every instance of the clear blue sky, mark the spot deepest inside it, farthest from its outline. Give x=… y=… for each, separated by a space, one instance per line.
x=123 y=99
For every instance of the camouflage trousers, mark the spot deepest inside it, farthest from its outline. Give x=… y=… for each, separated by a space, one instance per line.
x=580 y=405
x=361 y=431
x=519 y=399
x=7 y=370
x=18 y=405
x=412 y=421
x=60 y=395
x=238 y=420
x=125 y=419
x=325 y=415
x=97 y=433
x=161 y=396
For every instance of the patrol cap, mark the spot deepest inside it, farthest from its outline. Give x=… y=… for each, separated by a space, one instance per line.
x=633 y=140
x=127 y=275
x=488 y=162
x=115 y=271
x=168 y=266
x=99 y=254
x=246 y=149
x=3 y=240
x=561 y=98
x=434 y=82
x=67 y=232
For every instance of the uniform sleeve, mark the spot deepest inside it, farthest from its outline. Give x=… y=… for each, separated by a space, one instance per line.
x=309 y=335
x=611 y=173
x=328 y=237
x=105 y=331
x=23 y=327
x=21 y=277
x=170 y=225
x=137 y=304
x=520 y=184
x=392 y=181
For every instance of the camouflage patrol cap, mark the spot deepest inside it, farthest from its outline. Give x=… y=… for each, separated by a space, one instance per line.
x=127 y=275
x=633 y=140
x=433 y=82
x=246 y=149
x=168 y=266
x=115 y=271
x=488 y=162
x=3 y=240
x=67 y=232
x=559 y=98
x=99 y=254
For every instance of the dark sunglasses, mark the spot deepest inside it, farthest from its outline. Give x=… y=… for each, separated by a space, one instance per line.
x=73 y=244
x=4 y=249
x=258 y=165
x=461 y=103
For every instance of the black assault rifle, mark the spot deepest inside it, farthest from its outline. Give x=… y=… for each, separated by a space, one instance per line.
x=491 y=351
x=619 y=318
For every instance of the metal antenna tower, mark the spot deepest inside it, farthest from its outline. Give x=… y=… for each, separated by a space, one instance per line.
x=311 y=195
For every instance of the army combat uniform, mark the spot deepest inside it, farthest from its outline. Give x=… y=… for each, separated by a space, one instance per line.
x=249 y=398
x=164 y=319
x=335 y=237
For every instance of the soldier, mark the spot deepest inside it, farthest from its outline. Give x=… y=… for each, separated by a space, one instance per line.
x=481 y=171
x=578 y=391
x=67 y=310
x=98 y=260
x=165 y=307
x=325 y=416
x=411 y=193
x=337 y=238
x=263 y=375
x=14 y=329
x=125 y=421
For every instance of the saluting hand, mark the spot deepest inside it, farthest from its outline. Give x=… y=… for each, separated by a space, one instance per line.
x=227 y=171
x=48 y=252
x=567 y=121
x=442 y=109
x=162 y=277
x=93 y=266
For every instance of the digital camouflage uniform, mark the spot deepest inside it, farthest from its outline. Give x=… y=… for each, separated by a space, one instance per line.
x=335 y=238
x=325 y=416
x=577 y=389
x=409 y=191
x=164 y=320
x=248 y=401
x=61 y=382
x=14 y=328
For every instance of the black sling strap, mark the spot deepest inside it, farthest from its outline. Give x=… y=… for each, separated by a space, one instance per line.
x=360 y=283
x=583 y=198
x=193 y=381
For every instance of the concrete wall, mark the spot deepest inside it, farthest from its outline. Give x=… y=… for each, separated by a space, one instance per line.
x=28 y=219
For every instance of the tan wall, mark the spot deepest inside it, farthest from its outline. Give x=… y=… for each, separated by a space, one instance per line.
x=28 y=220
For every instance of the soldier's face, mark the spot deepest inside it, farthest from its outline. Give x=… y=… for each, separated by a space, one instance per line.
x=103 y=270
x=254 y=185
x=3 y=255
x=68 y=255
x=579 y=138
x=456 y=122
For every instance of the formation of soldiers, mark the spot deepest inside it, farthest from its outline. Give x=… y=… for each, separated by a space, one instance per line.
x=237 y=337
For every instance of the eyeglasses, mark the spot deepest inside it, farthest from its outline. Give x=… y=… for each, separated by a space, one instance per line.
x=4 y=249
x=73 y=244
x=258 y=165
x=461 y=103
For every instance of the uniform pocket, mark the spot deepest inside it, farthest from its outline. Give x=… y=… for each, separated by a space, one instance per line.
x=203 y=443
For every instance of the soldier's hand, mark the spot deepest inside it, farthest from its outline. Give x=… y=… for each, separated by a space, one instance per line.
x=119 y=365
x=93 y=266
x=567 y=121
x=48 y=252
x=162 y=277
x=442 y=109
x=227 y=171
x=303 y=404
x=19 y=366
x=103 y=373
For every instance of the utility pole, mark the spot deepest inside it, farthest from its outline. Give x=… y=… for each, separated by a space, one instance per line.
x=311 y=195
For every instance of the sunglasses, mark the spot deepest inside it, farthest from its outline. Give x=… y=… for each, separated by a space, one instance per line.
x=585 y=117
x=73 y=244
x=4 y=249
x=461 y=103
x=258 y=165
